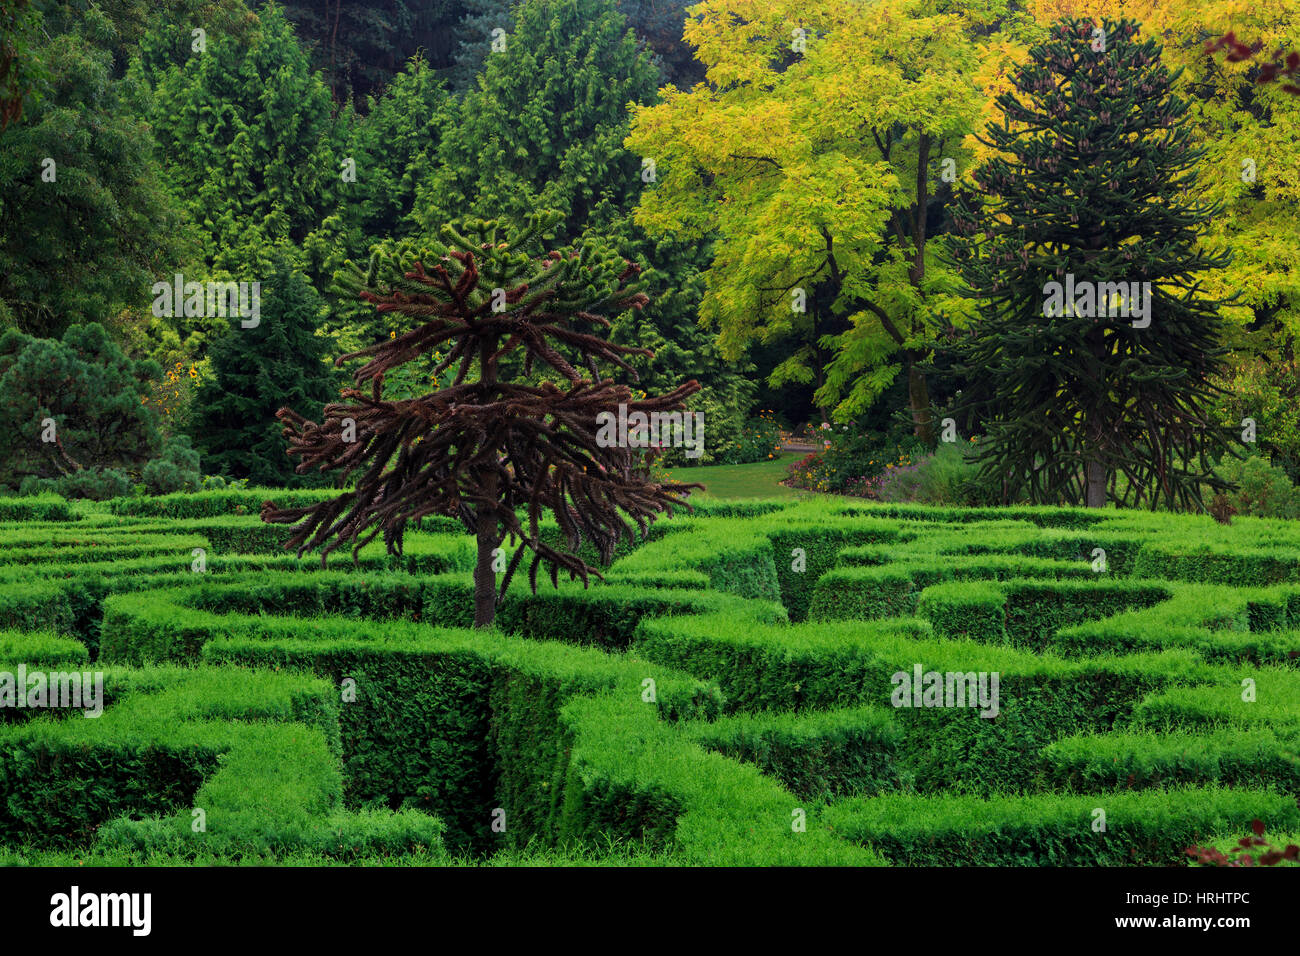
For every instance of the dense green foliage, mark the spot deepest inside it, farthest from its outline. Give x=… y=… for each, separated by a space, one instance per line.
x=788 y=176
x=247 y=136
x=544 y=127
x=257 y=371
x=228 y=132
x=84 y=215
x=74 y=408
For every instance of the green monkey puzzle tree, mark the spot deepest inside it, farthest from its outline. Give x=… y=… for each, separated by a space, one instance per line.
x=1095 y=183
x=481 y=448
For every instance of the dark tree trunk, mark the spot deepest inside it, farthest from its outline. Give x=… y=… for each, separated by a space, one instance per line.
x=918 y=396
x=918 y=393
x=485 y=578
x=1095 y=484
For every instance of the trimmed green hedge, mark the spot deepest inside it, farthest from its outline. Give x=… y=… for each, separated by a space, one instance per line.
x=673 y=710
x=257 y=753
x=1232 y=758
x=1214 y=563
x=816 y=755
x=864 y=593
x=966 y=610
x=46 y=507
x=1143 y=828
x=207 y=504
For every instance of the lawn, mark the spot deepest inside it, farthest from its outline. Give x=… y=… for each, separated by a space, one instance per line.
x=757 y=480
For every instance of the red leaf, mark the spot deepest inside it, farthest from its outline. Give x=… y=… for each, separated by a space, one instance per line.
x=1258 y=827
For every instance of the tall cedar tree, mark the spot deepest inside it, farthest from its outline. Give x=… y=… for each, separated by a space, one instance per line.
x=257 y=371
x=1095 y=177
x=481 y=448
x=248 y=137
x=543 y=127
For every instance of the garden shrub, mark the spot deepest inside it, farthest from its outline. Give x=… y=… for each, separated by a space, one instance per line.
x=97 y=484
x=177 y=469
x=947 y=476
x=1260 y=488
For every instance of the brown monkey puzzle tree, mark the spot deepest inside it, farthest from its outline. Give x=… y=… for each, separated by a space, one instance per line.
x=482 y=448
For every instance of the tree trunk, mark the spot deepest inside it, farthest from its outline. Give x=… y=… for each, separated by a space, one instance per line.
x=918 y=393
x=918 y=396
x=1094 y=473
x=485 y=578
x=1094 y=465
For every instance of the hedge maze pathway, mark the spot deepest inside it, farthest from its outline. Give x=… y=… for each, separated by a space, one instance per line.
x=820 y=682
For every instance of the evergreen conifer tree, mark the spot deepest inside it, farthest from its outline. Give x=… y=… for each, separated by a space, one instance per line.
x=258 y=370
x=1096 y=348
x=483 y=448
x=544 y=126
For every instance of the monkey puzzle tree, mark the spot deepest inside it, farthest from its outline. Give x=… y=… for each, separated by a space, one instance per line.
x=481 y=448
x=1093 y=179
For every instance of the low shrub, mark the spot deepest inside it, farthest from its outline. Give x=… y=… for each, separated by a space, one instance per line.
x=853 y=461
x=97 y=484
x=1261 y=489
x=947 y=476
x=177 y=469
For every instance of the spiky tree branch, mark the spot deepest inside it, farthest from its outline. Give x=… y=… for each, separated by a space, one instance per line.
x=482 y=449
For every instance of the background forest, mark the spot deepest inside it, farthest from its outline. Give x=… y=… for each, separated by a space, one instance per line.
x=791 y=177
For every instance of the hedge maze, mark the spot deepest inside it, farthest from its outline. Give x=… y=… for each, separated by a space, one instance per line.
x=816 y=683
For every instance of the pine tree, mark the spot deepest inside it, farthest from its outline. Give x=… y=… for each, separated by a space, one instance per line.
x=482 y=447
x=359 y=45
x=673 y=273
x=543 y=128
x=1094 y=184
x=278 y=361
x=73 y=408
x=481 y=18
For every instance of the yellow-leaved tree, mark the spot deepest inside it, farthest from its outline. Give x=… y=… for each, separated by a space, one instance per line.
x=811 y=157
